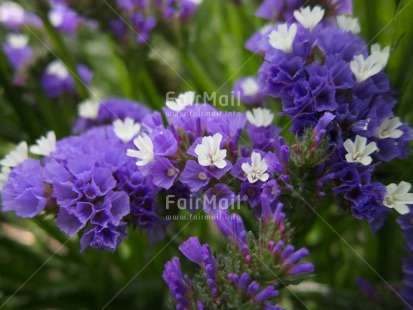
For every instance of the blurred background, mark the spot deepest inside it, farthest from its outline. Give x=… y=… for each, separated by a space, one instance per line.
x=40 y=268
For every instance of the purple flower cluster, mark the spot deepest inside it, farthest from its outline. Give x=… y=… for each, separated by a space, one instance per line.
x=227 y=285
x=328 y=82
x=144 y=15
x=90 y=184
x=57 y=79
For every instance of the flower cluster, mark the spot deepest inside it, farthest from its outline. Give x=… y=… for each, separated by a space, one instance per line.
x=327 y=81
x=251 y=270
x=143 y=16
x=86 y=181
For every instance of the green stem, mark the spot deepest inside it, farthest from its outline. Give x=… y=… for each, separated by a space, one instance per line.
x=22 y=109
x=155 y=101
x=198 y=72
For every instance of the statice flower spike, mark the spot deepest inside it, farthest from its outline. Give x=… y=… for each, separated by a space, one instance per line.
x=366 y=68
x=89 y=109
x=309 y=18
x=260 y=117
x=145 y=153
x=44 y=145
x=257 y=170
x=127 y=129
x=349 y=24
x=359 y=150
x=388 y=129
x=283 y=38
x=179 y=285
x=180 y=103
x=209 y=152
x=16 y=157
x=398 y=197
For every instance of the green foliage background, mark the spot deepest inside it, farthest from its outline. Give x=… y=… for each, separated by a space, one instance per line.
x=47 y=271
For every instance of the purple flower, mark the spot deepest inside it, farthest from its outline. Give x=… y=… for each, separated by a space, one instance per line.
x=220 y=197
x=248 y=91
x=163 y=173
x=18 y=52
x=25 y=192
x=64 y=19
x=56 y=80
x=195 y=176
x=179 y=285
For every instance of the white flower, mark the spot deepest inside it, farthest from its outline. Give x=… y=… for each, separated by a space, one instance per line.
x=257 y=170
x=58 y=69
x=17 y=41
x=398 y=197
x=145 y=150
x=89 y=109
x=283 y=37
x=44 y=145
x=4 y=175
x=250 y=87
x=388 y=129
x=181 y=102
x=358 y=151
x=11 y=12
x=126 y=130
x=56 y=17
x=260 y=117
x=365 y=68
x=349 y=24
x=209 y=152
x=196 y=1
x=309 y=18
x=380 y=55
x=16 y=157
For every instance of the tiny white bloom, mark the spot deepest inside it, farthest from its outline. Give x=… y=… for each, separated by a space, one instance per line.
x=257 y=170
x=260 y=117
x=250 y=87
x=381 y=56
x=209 y=152
x=198 y=2
x=358 y=151
x=4 y=175
x=58 y=69
x=145 y=150
x=309 y=18
x=398 y=197
x=11 y=11
x=44 y=145
x=283 y=37
x=365 y=68
x=16 y=157
x=127 y=129
x=17 y=41
x=349 y=24
x=388 y=129
x=182 y=101
x=56 y=17
x=89 y=109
